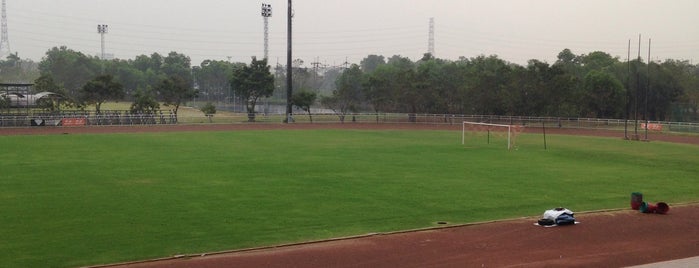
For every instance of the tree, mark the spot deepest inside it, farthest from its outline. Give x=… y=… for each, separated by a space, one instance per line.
x=348 y=95
x=176 y=64
x=174 y=91
x=668 y=83
x=144 y=63
x=402 y=88
x=144 y=102
x=175 y=78
x=563 y=87
x=378 y=88
x=213 y=78
x=566 y=57
x=70 y=69
x=209 y=110
x=304 y=78
x=251 y=83
x=303 y=100
x=688 y=107
x=604 y=95
x=45 y=83
x=489 y=77
x=371 y=62
x=543 y=90
x=14 y=69
x=151 y=67
x=597 y=60
x=437 y=86
x=127 y=74
x=100 y=89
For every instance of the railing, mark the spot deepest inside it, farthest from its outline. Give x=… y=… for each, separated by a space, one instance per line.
x=396 y=118
x=86 y=119
x=167 y=117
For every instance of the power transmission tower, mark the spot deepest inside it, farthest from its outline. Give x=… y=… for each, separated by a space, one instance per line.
x=315 y=65
x=4 y=40
x=266 y=13
x=102 y=29
x=430 y=43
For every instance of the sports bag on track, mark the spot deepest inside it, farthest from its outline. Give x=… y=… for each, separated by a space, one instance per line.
x=557 y=216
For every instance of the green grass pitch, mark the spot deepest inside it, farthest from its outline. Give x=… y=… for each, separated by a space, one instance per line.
x=73 y=200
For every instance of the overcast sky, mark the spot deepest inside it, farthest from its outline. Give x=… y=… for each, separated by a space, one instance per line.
x=332 y=31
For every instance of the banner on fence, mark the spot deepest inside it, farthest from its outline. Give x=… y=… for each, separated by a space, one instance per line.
x=37 y=122
x=656 y=127
x=73 y=122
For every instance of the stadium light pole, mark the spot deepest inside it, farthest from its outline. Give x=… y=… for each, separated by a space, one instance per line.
x=288 y=66
x=266 y=14
x=102 y=29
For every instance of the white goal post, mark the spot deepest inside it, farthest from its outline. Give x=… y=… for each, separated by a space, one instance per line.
x=511 y=130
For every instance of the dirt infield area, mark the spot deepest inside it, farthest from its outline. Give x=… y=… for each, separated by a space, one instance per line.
x=601 y=239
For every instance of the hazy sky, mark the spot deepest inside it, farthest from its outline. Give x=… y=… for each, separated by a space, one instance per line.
x=332 y=31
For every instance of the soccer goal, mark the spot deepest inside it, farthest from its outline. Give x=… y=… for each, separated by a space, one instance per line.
x=491 y=131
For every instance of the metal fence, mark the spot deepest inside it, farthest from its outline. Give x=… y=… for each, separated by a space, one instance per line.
x=447 y=119
x=82 y=118
x=168 y=117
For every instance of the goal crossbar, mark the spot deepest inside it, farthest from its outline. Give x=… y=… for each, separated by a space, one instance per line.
x=509 y=131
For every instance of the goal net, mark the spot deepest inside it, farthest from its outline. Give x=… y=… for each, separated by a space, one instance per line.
x=491 y=133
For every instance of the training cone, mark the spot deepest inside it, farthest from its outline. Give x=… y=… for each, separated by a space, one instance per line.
x=662 y=208
x=647 y=208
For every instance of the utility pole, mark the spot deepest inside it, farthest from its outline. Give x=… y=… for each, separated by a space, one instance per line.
x=628 y=89
x=5 y=39
x=289 y=89
x=638 y=87
x=102 y=29
x=645 y=110
x=315 y=65
x=266 y=14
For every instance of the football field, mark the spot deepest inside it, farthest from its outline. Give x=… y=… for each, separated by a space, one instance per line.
x=74 y=200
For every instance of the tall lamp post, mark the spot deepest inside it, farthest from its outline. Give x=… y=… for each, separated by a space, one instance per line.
x=266 y=14
x=102 y=29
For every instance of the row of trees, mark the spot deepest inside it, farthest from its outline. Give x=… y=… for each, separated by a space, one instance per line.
x=148 y=81
x=588 y=85
x=145 y=80
x=83 y=80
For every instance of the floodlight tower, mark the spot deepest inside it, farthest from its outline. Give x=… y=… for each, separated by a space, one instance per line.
x=102 y=29
x=4 y=40
x=266 y=13
x=430 y=42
